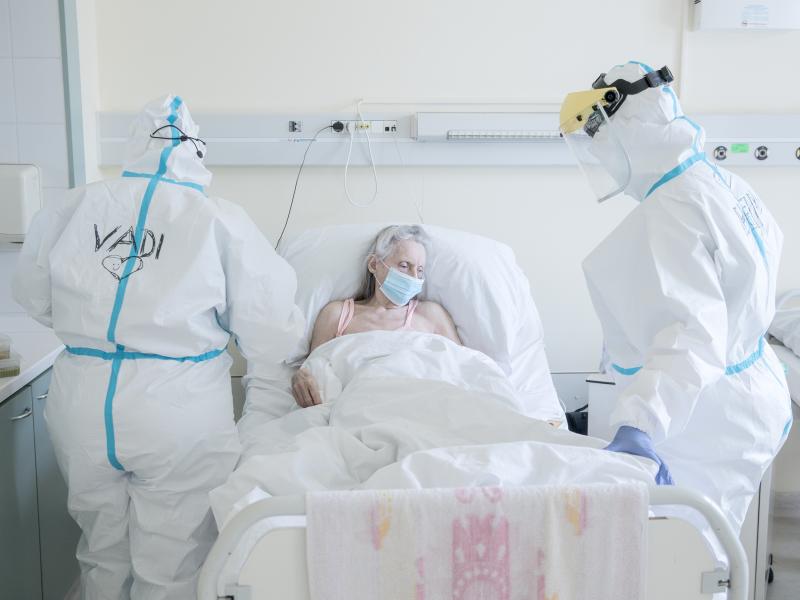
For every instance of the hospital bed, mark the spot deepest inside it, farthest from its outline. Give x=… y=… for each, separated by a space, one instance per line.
x=261 y=550
x=261 y=553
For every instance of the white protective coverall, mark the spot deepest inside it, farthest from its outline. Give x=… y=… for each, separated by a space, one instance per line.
x=145 y=279
x=685 y=290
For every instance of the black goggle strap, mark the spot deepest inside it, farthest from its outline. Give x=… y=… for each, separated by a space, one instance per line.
x=182 y=138
x=653 y=79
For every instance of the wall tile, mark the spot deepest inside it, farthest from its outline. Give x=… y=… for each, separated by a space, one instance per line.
x=5 y=30
x=35 y=28
x=39 y=90
x=8 y=143
x=45 y=145
x=8 y=113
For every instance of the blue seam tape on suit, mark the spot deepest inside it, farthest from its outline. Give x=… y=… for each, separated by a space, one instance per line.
x=189 y=184
x=111 y=444
x=698 y=155
x=126 y=355
x=116 y=362
x=729 y=370
x=673 y=173
x=698 y=152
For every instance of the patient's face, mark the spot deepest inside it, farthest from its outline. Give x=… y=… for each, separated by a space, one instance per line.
x=408 y=257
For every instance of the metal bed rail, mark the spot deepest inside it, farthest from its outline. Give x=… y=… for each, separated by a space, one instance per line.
x=736 y=579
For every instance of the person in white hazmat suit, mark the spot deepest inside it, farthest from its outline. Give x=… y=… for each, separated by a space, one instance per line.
x=685 y=290
x=144 y=278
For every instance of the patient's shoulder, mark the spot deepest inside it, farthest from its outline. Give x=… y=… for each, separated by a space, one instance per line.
x=432 y=309
x=327 y=323
x=440 y=318
x=331 y=310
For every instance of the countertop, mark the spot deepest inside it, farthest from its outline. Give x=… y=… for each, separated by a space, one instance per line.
x=36 y=345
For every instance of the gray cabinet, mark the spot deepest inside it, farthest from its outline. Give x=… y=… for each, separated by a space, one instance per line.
x=58 y=532
x=19 y=522
x=38 y=538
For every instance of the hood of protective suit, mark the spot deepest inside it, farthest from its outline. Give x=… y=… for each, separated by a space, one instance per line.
x=171 y=159
x=658 y=139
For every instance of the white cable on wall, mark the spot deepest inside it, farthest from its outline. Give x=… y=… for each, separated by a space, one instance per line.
x=360 y=119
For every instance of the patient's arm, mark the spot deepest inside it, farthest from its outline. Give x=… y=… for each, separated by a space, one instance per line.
x=304 y=387
x=326 y=325
x=441 y=319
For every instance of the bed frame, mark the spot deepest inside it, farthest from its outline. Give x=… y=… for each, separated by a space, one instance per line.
x=261 y=553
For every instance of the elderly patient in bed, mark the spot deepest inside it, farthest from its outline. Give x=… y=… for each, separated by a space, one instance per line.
x=397 y=407
x=394 y=275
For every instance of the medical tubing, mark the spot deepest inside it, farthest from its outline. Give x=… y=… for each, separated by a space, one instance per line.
x=296 y=181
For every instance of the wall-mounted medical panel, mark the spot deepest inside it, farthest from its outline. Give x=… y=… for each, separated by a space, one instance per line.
x=487 y=127
x=752 y=140
x=475 y=139
x=441 y=139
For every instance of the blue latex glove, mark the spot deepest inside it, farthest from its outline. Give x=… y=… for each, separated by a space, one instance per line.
x=635 y=441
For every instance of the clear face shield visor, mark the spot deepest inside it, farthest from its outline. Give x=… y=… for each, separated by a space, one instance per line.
x=591 y=138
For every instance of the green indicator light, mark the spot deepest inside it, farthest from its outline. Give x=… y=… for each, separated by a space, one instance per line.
x=740 y=148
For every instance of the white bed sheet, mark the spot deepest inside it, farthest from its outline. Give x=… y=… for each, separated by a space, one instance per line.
x=411 y=410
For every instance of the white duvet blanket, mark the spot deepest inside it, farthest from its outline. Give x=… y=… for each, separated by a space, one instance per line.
x=410 y=410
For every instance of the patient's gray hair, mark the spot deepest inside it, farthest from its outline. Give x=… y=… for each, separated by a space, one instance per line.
x=382 y=247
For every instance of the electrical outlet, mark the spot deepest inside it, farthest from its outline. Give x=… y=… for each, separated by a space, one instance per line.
x=370 y=126
x=295 y=126
x=356 y=125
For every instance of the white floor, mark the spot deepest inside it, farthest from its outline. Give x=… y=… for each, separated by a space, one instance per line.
x=786 y=559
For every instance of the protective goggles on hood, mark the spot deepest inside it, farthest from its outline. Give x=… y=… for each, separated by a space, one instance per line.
x=181 y=138
x=626 y=88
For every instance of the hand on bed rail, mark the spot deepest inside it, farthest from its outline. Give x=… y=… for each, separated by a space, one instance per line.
x=635 y=441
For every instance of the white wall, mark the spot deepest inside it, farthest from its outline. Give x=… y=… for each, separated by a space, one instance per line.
x=32 y=115
x=311 y=55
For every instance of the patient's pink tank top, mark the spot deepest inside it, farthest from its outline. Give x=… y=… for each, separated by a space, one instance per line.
x=349 y=309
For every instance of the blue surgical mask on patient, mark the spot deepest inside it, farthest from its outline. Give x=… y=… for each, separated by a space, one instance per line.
x=400 y=288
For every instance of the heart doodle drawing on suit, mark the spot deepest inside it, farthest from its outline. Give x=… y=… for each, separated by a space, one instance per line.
x=116 y=265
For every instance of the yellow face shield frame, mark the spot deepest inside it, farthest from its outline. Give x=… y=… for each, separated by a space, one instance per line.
x=578 y=107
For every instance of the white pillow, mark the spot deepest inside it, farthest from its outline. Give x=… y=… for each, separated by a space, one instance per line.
x=476 y=279
x=786 y=324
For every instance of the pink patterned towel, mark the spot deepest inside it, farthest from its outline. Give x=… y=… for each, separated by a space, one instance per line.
x=532 y=543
